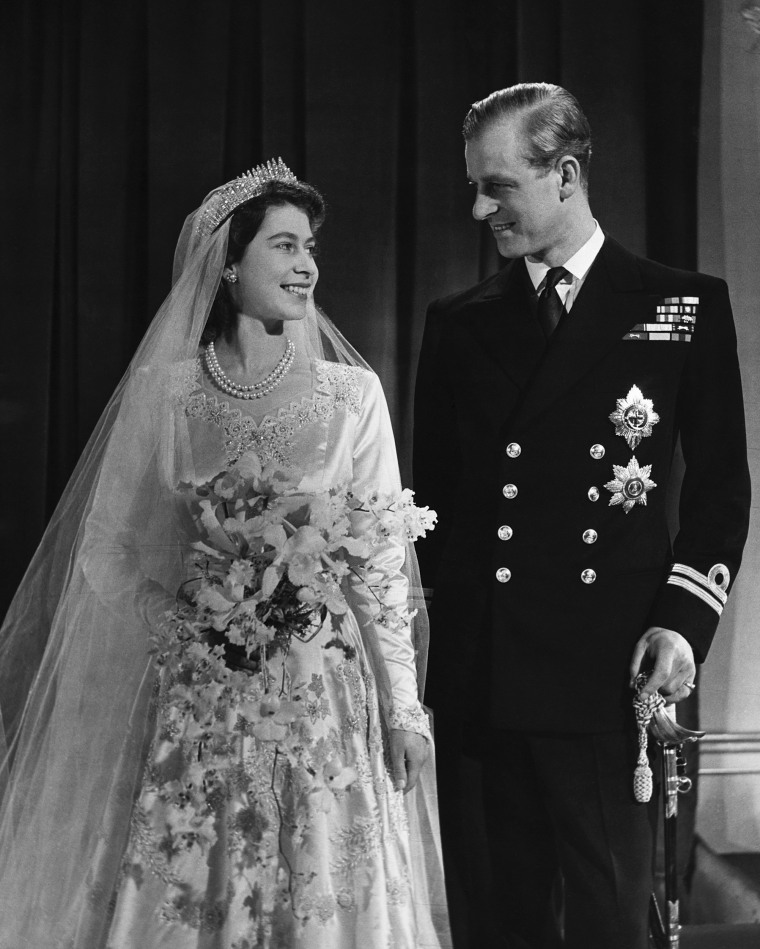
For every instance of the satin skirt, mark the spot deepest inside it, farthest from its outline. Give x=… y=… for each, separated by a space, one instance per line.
x=314 y=857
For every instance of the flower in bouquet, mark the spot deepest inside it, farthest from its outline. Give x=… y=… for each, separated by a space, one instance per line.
x=333 y=779
x=270 y=716
x=272 y=565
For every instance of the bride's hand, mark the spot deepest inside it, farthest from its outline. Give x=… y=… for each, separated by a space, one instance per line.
x=408 y=754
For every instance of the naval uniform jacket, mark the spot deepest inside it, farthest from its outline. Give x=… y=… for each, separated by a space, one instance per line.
x=541 y=585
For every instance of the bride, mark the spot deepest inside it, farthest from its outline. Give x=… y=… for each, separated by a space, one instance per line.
x=334 y=844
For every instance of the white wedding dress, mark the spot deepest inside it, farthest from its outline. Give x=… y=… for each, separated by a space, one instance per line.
x=328 y=862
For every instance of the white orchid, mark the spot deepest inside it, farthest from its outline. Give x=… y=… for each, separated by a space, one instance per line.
x=271 y=563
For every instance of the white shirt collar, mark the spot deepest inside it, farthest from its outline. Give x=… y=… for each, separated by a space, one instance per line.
x=578 y=265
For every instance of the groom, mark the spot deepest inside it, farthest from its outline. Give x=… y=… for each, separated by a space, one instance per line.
x=549 y=399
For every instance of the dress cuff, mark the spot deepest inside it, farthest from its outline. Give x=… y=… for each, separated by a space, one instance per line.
x=411 y=718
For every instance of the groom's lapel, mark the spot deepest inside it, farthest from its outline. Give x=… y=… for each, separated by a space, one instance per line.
x=611 y=301
x=501 y=322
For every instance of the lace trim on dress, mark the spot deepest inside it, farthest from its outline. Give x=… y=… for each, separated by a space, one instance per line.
x=411 y=718
x=337 y=385
x=184 y=379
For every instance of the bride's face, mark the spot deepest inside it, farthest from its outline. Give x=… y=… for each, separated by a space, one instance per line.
x=277 y=272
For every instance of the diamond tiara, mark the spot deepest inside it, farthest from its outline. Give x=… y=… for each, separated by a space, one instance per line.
x=224 y=201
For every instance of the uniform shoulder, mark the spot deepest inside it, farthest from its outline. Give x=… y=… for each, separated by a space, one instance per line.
x=672 y=280
x=627 y=268
x=453 y=302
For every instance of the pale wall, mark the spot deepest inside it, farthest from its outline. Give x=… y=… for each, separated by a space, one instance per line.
x=729 y=246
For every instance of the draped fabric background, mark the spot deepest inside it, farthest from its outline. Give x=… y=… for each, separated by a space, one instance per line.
x=119 y=117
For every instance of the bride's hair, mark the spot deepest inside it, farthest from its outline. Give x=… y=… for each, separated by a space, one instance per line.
x=244 y=225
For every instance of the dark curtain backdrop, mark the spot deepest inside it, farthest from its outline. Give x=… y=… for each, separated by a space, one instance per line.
x=119 y=117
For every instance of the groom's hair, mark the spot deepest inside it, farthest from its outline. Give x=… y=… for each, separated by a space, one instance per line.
x=553 y=122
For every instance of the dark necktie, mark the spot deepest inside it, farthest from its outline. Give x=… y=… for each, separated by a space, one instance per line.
x=550 y=306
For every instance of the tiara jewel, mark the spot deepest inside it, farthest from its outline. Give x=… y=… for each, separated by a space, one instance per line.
x=224 y=201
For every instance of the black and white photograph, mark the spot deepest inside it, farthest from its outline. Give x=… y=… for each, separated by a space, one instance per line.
x=380 y=405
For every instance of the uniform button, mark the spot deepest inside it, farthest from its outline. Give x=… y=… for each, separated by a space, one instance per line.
x=505 y=532
x=593 y=494
x=597 y=452
x=513 y=449
x=589 y=536
x=588 y=576
x=503 y=575
x=509 y=491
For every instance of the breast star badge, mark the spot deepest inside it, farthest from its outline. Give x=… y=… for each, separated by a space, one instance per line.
x=630 y=485
x=634 y=417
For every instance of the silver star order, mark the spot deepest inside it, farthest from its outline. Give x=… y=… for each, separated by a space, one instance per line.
x=634 y=417
x=630 y=485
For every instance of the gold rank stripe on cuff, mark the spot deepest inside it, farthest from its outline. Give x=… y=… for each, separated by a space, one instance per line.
x=705 y=580
x=700 y=585
x=677 y=581
x=644 y=336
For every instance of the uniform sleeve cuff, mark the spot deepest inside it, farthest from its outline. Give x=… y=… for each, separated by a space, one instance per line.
x=691 y=603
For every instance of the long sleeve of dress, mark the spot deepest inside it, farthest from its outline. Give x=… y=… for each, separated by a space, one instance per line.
x=376 y=466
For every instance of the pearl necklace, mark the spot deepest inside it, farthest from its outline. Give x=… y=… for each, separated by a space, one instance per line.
x=258 y=389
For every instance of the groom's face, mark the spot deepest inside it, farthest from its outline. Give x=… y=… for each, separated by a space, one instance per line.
x=521 y=203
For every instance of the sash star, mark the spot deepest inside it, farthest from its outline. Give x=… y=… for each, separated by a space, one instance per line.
x=634 y=417
x=630 y=485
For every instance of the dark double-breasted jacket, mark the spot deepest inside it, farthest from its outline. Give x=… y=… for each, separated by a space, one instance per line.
x=549 y=466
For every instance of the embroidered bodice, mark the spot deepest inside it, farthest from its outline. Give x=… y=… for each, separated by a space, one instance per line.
x=337 y=386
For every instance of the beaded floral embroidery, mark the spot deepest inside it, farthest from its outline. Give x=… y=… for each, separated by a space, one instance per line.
x=271 y=906
x=184 y=379
x=410 y=719
x=337 y=385
x=267 y=807
x=361 y=824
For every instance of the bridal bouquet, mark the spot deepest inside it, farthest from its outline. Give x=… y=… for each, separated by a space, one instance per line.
x=272 y=565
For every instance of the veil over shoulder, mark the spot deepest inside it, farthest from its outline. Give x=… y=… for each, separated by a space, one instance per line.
x=76 y=676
